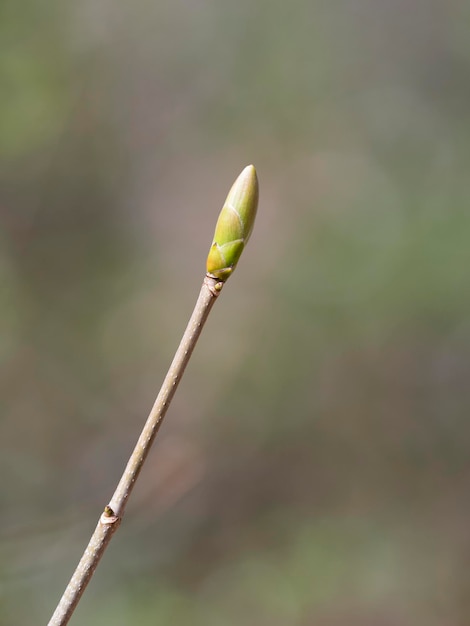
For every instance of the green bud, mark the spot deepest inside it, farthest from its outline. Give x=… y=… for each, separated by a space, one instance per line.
x=234 y=225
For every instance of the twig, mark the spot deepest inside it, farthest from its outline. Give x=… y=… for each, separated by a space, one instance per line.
x=232 y=232
x=112 y=515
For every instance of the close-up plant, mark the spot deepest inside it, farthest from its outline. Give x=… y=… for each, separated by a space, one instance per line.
x=313 y=465
x=232 y=232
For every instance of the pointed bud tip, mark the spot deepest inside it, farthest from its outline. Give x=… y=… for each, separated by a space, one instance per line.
x=247 y=182
x=249 y=171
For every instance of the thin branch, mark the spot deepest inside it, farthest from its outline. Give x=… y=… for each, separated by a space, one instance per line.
x=232 y=231
x=113 y=512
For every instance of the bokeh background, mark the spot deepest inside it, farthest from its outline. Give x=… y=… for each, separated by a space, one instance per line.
x=314 y=467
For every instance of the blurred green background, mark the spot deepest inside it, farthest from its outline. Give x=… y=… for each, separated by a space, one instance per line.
x=314 y=467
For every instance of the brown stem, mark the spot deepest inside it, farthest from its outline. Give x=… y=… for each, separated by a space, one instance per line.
x=113 y=512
